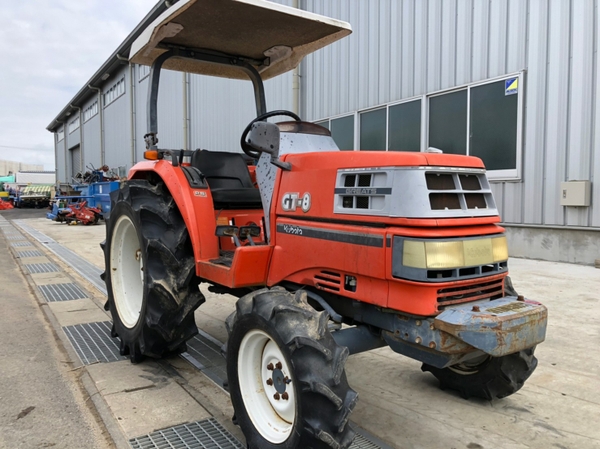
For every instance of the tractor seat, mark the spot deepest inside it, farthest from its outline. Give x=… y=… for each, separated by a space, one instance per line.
x=228 y=178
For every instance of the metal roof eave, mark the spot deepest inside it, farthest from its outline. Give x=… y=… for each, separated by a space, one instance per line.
x=111 y=63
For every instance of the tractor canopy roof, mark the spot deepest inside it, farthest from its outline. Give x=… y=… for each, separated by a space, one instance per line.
x=272 y=37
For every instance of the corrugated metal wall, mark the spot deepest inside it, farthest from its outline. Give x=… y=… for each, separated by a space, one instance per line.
x=61 y=157
x=170 y=110
x=140 y=90
x=404 y=48
x=401 y=49
x=73 y=138
x=221 y=108
x=117 y=124
x=91 y=138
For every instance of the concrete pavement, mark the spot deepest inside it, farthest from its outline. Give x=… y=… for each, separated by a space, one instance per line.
x=41 y=399
x=558 y=407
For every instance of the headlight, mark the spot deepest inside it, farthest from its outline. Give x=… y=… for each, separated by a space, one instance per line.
x=433 y=254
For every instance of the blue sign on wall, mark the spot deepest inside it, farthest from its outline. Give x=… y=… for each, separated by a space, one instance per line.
x=511 y=86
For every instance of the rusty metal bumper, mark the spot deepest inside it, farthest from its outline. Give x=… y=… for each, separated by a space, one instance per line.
x=498 y=327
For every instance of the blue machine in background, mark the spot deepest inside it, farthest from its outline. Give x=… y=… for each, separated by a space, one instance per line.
x=99 y=194
x=96 y=194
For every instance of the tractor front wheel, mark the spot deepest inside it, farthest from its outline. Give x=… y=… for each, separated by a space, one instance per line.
x=286 y=374
x=487 y=377
x=150 y=272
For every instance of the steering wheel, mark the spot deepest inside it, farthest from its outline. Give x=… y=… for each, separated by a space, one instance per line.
x=246 y=146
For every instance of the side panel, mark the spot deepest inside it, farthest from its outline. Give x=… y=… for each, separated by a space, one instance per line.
x=323 y=254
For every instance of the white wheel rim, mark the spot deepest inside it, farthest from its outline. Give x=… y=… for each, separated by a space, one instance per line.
x=273 y=418
x=127 y=271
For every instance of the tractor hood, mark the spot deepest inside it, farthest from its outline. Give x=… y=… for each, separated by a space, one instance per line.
x=272 y=37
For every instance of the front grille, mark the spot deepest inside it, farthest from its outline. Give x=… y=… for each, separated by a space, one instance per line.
x=443 y=201
x=362 y=202
x=469 y=182
x=467 y=293
x=440 y=181
x=328 y=280
x=454 y=191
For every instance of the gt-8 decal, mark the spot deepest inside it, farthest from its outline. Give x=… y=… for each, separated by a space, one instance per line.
x=291 y=201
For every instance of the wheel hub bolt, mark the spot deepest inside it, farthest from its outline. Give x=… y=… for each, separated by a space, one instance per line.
x=278 y=365
x=285 y=396
x=287 y=380
x=270 y=367
x=270 y=382
x=276 y=396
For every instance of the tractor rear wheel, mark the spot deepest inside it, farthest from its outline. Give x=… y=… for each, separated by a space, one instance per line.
x=286 y=374
x=150 y=272
x=488 y=377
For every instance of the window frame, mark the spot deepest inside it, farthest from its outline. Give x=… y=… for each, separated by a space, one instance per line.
x=90 y=112
x=114 y=90
x=422 y=134
x=74 y=125
x=509 y=175
x=358 y=123
x=60 y=135
x=513 y=174
x=335 y=117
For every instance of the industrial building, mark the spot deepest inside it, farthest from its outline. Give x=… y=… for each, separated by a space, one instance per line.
x=514 y=82
x=12 y=167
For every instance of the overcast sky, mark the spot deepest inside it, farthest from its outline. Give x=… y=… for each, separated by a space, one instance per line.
x=48 y=50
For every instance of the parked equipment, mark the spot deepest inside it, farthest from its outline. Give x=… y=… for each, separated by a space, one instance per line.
x=403 y=249
x=81 y=213
x=76 y=211
x=96 y=196
x=35 y=195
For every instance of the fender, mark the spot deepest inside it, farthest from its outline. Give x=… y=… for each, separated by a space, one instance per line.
x=195 y=205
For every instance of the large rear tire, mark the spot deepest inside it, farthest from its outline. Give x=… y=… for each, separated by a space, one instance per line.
x=150 y=272
x=286 y=374
x=489 y=378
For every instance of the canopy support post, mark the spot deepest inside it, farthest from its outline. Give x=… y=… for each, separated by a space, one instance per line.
x=212 y=57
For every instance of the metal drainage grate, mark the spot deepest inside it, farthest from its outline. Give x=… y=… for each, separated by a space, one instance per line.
x=90 y=272
x=204 y=352
x=15 y=237
x=35 y=268
x=364 y=440
x=32 y=253
x=62 y=292
x=205 y=434
x=93 y=343
x=24 y=243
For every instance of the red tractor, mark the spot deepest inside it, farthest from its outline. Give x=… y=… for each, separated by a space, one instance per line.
x=331 y=253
